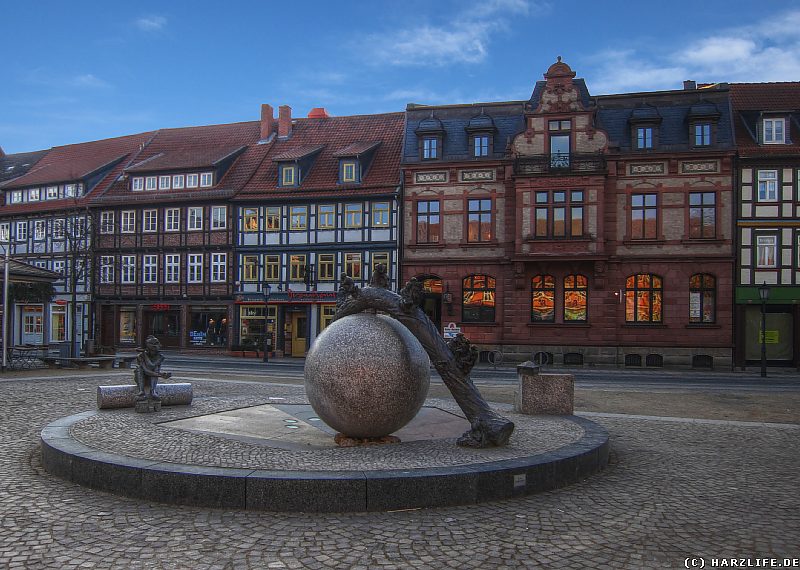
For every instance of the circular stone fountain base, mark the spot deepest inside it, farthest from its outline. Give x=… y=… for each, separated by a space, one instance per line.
x=276 y=455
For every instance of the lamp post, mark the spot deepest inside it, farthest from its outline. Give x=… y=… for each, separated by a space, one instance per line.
x=763 y=293
x=267 y=290
x=5 y=305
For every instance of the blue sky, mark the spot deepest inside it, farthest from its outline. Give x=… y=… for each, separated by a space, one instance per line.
x=85 y=70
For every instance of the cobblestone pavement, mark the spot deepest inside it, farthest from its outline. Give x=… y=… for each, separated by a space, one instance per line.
x=673 y=490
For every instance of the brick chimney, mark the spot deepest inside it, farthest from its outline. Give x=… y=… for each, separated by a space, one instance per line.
x=284 y=121
x=689 y=85
x=318 y=113
x=267 y=121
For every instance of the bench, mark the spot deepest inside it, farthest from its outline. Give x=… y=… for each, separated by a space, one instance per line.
x=82 y=362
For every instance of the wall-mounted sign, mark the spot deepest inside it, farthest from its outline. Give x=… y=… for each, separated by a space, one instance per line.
x=647 y=168
x=477 y=175
x=159 y=307
x=700 y=166
x=451 y=330
x=430 y=177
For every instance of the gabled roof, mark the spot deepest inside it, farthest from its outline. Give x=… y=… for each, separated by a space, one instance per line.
x=15 y=165
x=185 y=158
x=766 y=96
x=330 y=135
x=751 y=101
x=356 y=149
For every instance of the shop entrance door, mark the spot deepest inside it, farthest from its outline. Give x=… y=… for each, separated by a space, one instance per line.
x=300 y=333
x=163 y=326
x=107 y=327
x=32 y=326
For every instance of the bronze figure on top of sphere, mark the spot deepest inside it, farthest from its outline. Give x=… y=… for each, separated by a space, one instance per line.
x=146 y=375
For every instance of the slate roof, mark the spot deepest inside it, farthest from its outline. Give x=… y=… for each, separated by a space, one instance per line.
x=615 y=113
x=333 y=134
x=507 y=117
x=750 y=100
x=15 y=165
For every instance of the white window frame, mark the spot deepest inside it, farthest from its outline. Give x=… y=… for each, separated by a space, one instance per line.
x=172 y=268
x=106 y=222
x=59 y=265
x=773 y=137
x=194 y=268
x=58 y=228
x=206 y=179
x=767 y=185
x=765 y=243
x=219 y=267
x=106 y=269
x=128 y=269
x=177 y=182
x=150 y=225
x=16 y=196
x=127 y=222
x=70 y=190
x=34 y=194
x=5 y=229
x=137 y=184
x=61 y=309
x=194 y=222
x=151 y=183
x=219 y=222
x=163 y=182
x=172 y=220
x=192 y=180
x=39 y=230
x=52 y=192
x=22 y=230
x=150 y=268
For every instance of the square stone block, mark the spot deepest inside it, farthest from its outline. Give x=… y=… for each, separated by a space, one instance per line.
x=545 y=394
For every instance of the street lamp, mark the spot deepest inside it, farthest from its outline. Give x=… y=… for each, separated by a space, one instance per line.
x=5 y=303
x=267 y=290
x=763 y=293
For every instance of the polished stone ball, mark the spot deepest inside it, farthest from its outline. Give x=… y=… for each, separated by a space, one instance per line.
x=366 y=375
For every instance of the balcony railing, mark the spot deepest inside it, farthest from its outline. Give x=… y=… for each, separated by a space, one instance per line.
x=559 y=163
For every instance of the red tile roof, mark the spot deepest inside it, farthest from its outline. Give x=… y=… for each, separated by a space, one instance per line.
x=749 y=100
x=356 y=149
x=185 y=158
x=336 y=133
x=298 y=152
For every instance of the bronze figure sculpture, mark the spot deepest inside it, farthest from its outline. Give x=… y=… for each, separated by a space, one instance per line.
x=146 y=375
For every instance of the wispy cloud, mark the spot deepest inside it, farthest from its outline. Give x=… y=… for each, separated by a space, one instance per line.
x=465 y=39
x=768 y=50
x=151 y=23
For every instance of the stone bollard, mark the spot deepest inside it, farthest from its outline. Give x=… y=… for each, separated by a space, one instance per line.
x=544 y=394
x=108 y=397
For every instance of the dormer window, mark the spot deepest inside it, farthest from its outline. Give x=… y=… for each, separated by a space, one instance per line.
x=16 y=196
x=430 y=148
x=644 y=138
x=480 y=129
x=349 y=171
x=177 y=182
x=69 y=190
x=644 y=124
x=703 y=118
x=480 y=145
x=430 y=134
x=151 y=183
x=702 y=134
x=289 y=175
x=34 y=195
x=137 y=184
x=206 y=180
x=163 y=182
x=774 y=131
x=191 y=180
x=52 y=192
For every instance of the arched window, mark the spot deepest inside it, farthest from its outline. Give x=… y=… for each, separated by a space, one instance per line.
x=576 y=289
x=478 y=299
x=643 y=298
x=543 y=299
x=702 y=298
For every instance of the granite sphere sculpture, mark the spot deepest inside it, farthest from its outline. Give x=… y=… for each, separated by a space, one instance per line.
x=366 y=375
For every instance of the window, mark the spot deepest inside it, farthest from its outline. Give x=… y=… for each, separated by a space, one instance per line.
x=644 y=138
x=478 y=299
x=326 y=267
x=39 y=230
x=206 y=180
x=702 y=295
x=543 y=299
x=479 y=220
x=177 y=182
x=272 y=219
x=272 y=268
x=766 y=251
x=558 y=214
x=150 y=221
x=58 y=229
x=774 y=131
x=643 y=216
x=191 y=180
x=195 y=268
x=219 y=267
x=560 y=143
x=52 y=192
x=219 y=217
x=128 y=222
x=129 y=269
x=59 y=264
x=702 y=215
x=149 y=269
x=702 y=134
x=22 y=231
x=58 y=323
x=352 y=265
x=163 y=182
x=77 y=228
x=326 y=217
x=106 y=223
x=250 y=268
x=643 y=294
x=195 y=218
x=480 y=145
x=298 y=219
x=4 y=229
x=576 y=289
x=34 y=195
x=172 y=221
x=172 y=267
x=106 y=269
x=352 y=216
x=349 y=171
x=297 y=267
x=250 y=219
x=151 y=183
x=767 y=185
x=288 y=175
x=430 y=148
x=428 y=228
x=559 y=125
x=381 y=258
x=70 y=190
x=16 y=196
x=380 y=215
